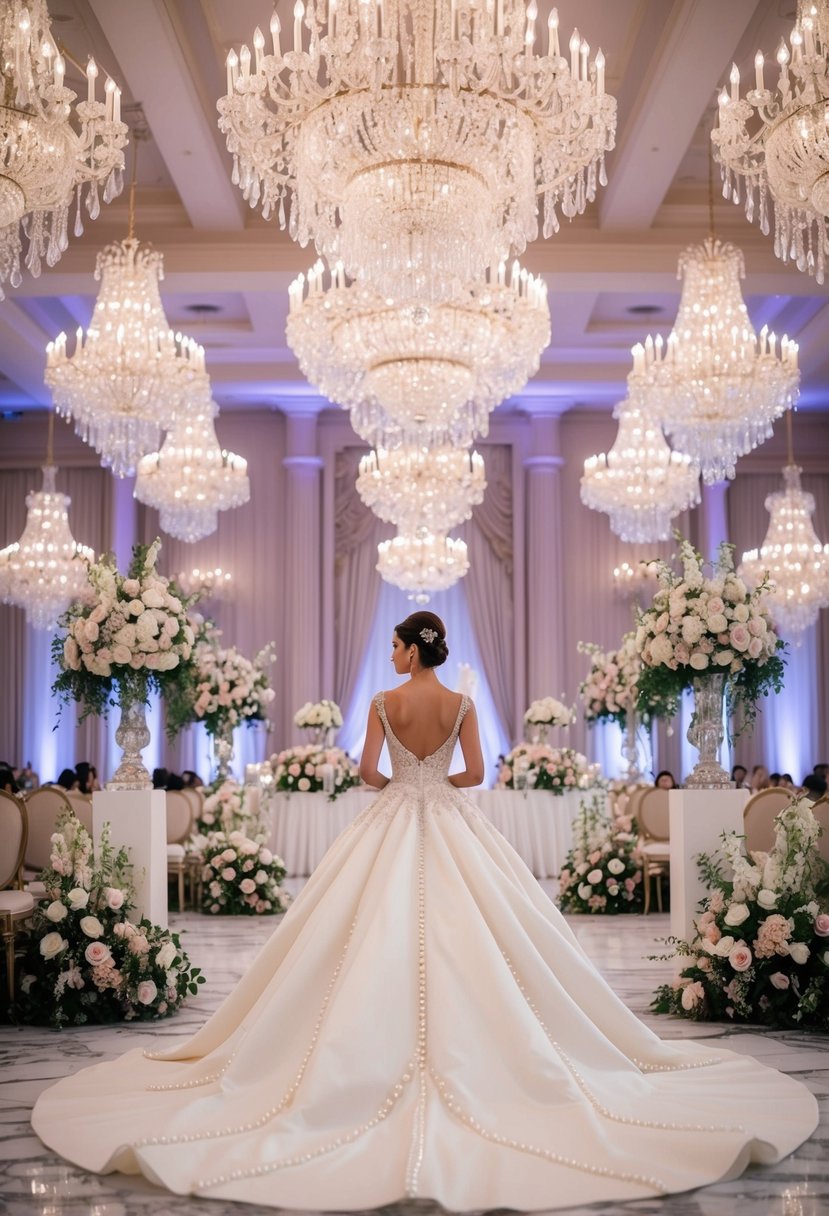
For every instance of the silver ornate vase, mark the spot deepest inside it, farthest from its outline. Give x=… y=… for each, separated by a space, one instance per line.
x=706 y=733
x=132 y=736
x=630 y=748
x=223 y=751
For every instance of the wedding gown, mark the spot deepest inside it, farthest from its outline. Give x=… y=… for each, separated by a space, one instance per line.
x=424 y=1024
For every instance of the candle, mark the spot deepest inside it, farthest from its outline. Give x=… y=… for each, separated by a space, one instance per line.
x=638 y=352
x=809 y=36
x=735 y=82
x=60 y=68
x=584 y=51
x=109 y=97
x=91 y=73
x=259 y=47
x=575 y=43
x=276 y=29
x=299 y=13
x=759 y=63
x=116 y=106
x=599 y=73
x=231 y=62
x=797 y=46
x=552 y=33
x=244 y=62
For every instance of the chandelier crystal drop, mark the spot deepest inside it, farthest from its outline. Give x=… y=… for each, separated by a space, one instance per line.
x=191 y=478
x=422 y=489
x=412 y=370
x=46 y=570
x=641 y=484
x=422 y=563
x=411 y=139
x=773 y=144
x=131 y=375
x=792 y=557
x=715 y=386
x=51 y=150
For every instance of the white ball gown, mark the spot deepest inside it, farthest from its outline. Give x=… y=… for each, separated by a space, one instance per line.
x=424 y=1024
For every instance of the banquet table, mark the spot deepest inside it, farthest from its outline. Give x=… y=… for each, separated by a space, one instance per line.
x=537 y=824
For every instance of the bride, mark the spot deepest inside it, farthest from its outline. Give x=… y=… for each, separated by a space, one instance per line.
x=424 y=1024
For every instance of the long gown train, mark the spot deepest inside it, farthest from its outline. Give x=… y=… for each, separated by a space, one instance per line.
x=425 y=1024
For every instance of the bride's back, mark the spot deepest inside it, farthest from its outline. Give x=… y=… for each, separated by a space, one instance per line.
x=422 y=715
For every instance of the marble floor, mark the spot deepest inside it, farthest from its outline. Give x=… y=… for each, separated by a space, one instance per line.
x=33 y=1182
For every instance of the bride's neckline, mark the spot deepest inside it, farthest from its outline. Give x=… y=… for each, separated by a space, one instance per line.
x=408 y=750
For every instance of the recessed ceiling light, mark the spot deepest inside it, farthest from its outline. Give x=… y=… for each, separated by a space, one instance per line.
x=644 y=310
x=202 y=308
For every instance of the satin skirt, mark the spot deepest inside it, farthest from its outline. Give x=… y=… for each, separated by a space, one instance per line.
x=424 y=1024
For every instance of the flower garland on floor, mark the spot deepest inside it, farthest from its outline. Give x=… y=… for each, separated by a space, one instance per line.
x=601 y=872
x=308 y=769
x=539 y=766
x=697 y=626
x=84 y=960
x=761 y=948
x=130 y=634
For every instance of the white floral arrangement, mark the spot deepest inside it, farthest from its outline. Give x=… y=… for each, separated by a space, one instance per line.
x=230 y=688
x=601 y=873
x=319 y=715
x=130 y=631
x=547 y=711
x=539 y=766
x=241 y=875
x=307 y=769
x=697 y=625
x=225 y=809
x=761 y=948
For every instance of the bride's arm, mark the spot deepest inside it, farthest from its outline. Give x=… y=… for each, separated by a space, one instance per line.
x=473 y=774
x=371 y=751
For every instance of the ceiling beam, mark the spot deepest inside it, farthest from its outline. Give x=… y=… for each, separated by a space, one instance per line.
x=154 y=65
x=679 y=85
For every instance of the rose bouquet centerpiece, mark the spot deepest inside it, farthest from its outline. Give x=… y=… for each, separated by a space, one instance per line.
x=225 y=808
x=241 y=876
x=84 y=959
x=712 y=634
x=320 y=718
x=601 y=872
x=543 y=714
x=539 y=766
x=129 y=635
x=761 y=948
x=308 y=769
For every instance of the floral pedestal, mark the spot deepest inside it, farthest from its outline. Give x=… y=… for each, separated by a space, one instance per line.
x=138 y=821
x=132 y=736
x=706 y=734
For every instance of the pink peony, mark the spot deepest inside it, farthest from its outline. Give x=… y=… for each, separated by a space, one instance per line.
x=692 y=995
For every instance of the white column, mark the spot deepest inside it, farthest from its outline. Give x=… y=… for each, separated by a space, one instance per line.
x=545 y=592
x=301 y=667
x=697 y=820
x=713 y=514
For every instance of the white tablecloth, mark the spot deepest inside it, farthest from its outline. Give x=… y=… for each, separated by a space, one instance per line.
x=537 y=824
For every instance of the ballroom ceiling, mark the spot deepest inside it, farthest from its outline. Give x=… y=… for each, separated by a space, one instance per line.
x=611 y=273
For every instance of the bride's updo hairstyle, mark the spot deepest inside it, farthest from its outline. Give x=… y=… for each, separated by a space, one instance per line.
x=428 y=633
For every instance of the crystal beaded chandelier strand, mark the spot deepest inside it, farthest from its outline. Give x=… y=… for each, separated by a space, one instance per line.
x=411 y=139
x=791 y=556
x=641 y=484
x=419 y=488
x=191 y=478
x=422 y=563
x=46 y=570
x=50 y=149
x=409 y=370
x=131 y=375
x=773 y=144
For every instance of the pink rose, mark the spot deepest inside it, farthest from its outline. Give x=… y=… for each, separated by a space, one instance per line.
x=97 y=954
x=740 y=957
x=739 y=637
x=779 y=980
x=114 y=898
x=146 y=992
x=228 y=874
x=822 y=925
x=294 y=770
x=247 y=886
x=139 y=944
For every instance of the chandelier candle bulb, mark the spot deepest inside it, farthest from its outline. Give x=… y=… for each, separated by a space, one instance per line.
x=276 y=30
x=575 y=44
x=259 y=47
x=759 y=64
x=553 y=49
x=91 y=75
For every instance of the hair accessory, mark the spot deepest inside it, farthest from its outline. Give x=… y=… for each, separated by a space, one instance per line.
x=429 y=635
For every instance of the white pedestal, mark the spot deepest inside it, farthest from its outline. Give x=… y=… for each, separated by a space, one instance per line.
x=138 y=820
x=697 y=820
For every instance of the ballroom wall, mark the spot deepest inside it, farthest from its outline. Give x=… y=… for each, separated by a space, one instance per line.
x=302 y=556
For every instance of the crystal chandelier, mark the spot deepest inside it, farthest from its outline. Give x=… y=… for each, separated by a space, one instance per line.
x=715 y=387
x=629 y=581
x=791 y=556
x=773 y=144
x=413 y=370
x=415 y=488
x=46 y=570
x=641 y=484
x=199 y=584
x=414 y=137
x=422 y=563
x=191 y=478
x=44 y=159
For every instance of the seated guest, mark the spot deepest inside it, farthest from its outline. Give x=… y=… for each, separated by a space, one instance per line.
x=738 y=776
x=87 y=777
x=814 y=787
x=28 y=779
x=759 y=778
x=786 y=781
x=7 y=781
x=774 y=780
x=821 y=770
x=174 y=782
x=68 y=779
x=160 y=778
x=665 y=780
x=192 y=781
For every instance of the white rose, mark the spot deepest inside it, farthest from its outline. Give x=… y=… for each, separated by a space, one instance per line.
x=616 y=865
x=585 y=890
x=736 y=914
x=699 y=661
x=52 y=944
x=724 y=946
x=799 y=952
x=56 y=911
x=303 y=784
x=766 y=899
x=78 y=898
x=91 y=926
x=594 y=877
x=165 y=955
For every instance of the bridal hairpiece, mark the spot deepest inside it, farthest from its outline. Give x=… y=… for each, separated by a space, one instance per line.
x=429 y=635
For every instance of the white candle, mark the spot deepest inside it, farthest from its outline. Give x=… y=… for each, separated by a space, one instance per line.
x=276 y=29
x=638 y=352
x=91 y=73
x=60 y=68
x=244 y=62
x=552 y=33
x=575 y=43
x=109 y=91
x=759 y=63
x=809 y=35
x=116 y=106
x=584 y=51
x=735 y=82
x=797 y=46
x=299 y=13
x=259 y=47
x=231 y=61
x=599 y=73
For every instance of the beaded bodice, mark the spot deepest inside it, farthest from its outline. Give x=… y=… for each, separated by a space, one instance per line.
x=407 y=769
